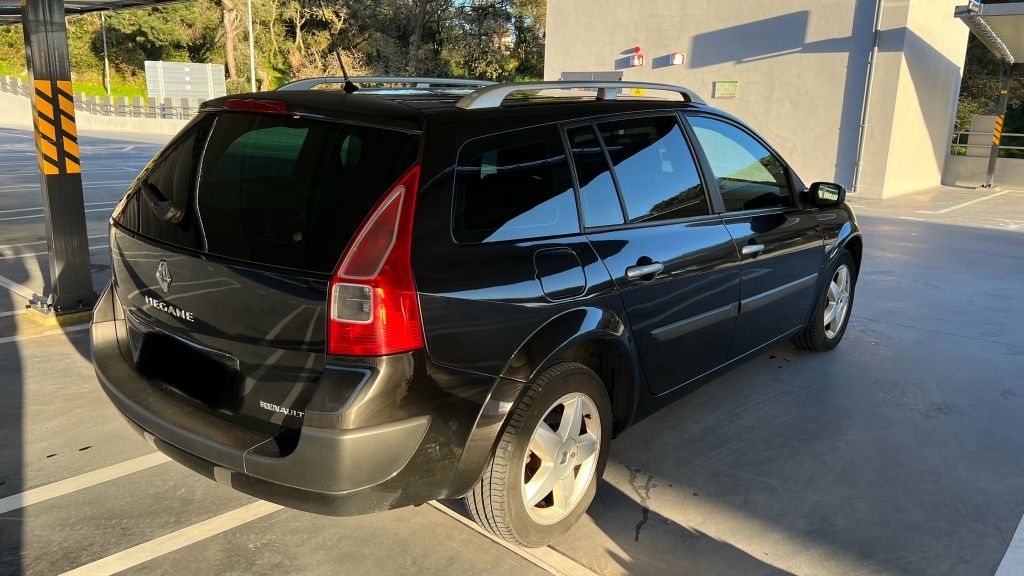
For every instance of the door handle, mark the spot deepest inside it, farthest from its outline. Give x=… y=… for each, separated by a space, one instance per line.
x=752 y=250
x=641 y=270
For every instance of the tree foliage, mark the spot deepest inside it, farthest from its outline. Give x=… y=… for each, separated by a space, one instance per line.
x=486 y=39
x=979 y=88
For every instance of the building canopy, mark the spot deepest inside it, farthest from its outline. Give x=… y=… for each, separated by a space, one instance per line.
x=10 y=10
x=999 y=26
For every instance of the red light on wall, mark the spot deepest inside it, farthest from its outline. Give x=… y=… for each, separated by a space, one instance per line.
x=638 y=57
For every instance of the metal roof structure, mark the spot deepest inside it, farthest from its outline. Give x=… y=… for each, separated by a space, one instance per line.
x=999 y=26
x=10 y=10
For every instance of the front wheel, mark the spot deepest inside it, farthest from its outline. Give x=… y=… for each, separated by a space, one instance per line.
x=832 y=309
x=544 y=472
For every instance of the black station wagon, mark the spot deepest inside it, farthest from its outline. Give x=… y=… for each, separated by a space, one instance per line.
x=351 y=302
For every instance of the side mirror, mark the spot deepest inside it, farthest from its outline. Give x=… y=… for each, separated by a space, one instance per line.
x=826 y=194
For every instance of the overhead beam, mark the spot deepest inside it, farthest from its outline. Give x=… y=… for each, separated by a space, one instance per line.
x=10 y=10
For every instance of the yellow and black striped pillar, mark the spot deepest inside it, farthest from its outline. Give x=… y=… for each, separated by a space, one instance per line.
x=56 y=132
x=997 y=131
x=69 y=288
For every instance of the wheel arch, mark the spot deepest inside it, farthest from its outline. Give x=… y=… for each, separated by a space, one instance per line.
x=595 y=337
x=855 y=245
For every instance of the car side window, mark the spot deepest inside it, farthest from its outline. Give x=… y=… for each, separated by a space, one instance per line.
x=514 y=186
x=656 y=172
x=170 y=178
x=600 y=199
x=749 y=176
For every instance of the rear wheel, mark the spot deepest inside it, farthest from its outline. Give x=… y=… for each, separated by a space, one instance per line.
x=545 y=470
x=831 y=314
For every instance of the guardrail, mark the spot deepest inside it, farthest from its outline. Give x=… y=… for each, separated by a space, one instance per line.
x=961 y=142
x=120 y=106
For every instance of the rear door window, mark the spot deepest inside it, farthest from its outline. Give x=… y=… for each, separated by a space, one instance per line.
x=278 y=190
x=598 y=195
x=636 y=170
x=655 y=169
x=513 y=186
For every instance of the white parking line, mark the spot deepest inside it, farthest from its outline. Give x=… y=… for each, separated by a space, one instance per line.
x=548 y=559
x=108 y=209
x=38 y=242
x=12 y=256
x=15 y=288
x=1013 y=561
x=175 y=540
x=8 y=211
x=18 y=187
x=79 y=482
x=964 y=204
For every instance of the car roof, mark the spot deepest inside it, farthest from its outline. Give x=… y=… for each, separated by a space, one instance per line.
x=411 y=109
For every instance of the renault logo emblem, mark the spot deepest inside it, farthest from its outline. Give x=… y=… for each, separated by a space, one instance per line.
x=163 y=276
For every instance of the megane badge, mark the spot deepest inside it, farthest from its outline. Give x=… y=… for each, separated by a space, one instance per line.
x=163 y=276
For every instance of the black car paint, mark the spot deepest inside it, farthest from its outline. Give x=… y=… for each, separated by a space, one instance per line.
x=494 y=314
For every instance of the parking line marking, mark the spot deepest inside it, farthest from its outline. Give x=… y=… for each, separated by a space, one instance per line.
x=108 y=209
x=912 y=218
x=15 y=288
x=22 y=187
x=38 y=242
x=40 y=207
x=17 y=312
x=34 y=254
x=75 y=483
x=175 y=540
x=965 y=204
x=547 y=559
x=1012 y=563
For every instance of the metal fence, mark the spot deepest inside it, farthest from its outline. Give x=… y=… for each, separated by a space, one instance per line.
x=961 y=142
x=120 y=106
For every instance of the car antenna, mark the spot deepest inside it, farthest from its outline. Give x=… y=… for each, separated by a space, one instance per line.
x=349 y=86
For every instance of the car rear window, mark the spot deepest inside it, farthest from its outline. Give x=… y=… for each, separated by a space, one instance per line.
x=273 y=190
x=514 y=186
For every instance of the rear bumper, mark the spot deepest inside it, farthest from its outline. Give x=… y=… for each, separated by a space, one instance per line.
x=347 y=461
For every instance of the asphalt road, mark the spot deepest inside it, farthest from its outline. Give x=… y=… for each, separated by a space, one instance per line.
x=897 y=453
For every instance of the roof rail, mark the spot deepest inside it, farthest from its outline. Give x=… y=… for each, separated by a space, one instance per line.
x=492 y=96
x=310 y=83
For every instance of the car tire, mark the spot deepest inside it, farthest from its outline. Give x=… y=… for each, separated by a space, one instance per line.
x=821 y=334
x=523 y=460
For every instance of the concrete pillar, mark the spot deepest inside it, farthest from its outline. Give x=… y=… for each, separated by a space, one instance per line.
x=69 y=287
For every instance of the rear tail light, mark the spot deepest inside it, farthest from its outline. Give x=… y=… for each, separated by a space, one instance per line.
x=372 y=302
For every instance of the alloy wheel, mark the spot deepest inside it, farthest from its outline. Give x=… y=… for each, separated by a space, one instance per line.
x=562 y=457
x=838 y=303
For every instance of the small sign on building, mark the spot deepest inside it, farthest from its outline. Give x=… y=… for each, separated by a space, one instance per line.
x=725 y=89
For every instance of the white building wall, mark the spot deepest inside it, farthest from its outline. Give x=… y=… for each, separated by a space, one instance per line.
x=934 y=48
x=801 y=66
